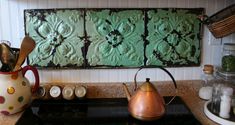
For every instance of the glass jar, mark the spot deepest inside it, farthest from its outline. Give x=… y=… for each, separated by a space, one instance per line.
x=216 y=98
x=205 y=92
x=208 y=75
x=225 y=104
x=228 y=58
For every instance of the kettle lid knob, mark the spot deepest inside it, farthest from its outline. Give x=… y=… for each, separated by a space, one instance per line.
x=147 y=79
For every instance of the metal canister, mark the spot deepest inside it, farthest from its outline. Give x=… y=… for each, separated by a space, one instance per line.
x=80 y=91
x=55 y=92
x=68 y=92
x=42 y=92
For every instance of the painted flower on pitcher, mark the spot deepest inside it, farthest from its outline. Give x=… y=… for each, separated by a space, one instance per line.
x=55 y=43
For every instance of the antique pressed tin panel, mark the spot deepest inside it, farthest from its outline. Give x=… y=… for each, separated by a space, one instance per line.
x=83 y=38
x=59 y=37
x=174 y=37
x=115 y=37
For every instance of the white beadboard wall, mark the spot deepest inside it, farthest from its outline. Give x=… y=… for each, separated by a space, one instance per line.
x=12 y=29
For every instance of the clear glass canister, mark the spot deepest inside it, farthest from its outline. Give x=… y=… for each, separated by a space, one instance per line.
x=228 y=58
x=205 y=92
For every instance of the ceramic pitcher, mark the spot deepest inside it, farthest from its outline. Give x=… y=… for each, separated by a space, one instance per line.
x=15 y=90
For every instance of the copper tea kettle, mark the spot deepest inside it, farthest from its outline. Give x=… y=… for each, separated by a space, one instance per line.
x=146 y=103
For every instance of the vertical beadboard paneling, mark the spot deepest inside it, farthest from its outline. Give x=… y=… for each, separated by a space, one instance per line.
x=217 y=50
x=131 y=74
x=46 y=76
x=92 y=3
x=95 y=75
x=132 y=3
x=187 y=73
x=52 y=3
x=21 y=7
x=12 y=28
x=82 y=3
x=196 y=72
x=181 y=3
x=123 y=74
x=14 y=21
x=162 y=3
x=172 y=3
x=62 y=3
x=42 y=4
x=105 y=3
x=33 y=4
x=72 y=3
x=5 y=19
x=123 y=3
x=150 y=73
x=142 y=3
x=113 y=76
x=104 y=75
x=153 y=3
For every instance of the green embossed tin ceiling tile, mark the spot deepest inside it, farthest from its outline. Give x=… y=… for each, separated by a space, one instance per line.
x=58 y=35
x=173 y=37
x=115 y=37
x=83 y=38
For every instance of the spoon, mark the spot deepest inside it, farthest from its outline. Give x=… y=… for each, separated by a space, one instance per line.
x=26 y=47
x=7 y=58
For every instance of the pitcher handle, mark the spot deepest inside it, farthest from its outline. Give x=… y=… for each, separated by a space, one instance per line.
x=35 y=73
x=172 y=78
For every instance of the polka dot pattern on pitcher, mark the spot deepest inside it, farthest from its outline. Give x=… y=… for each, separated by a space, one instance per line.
x=10 y=90
x=5 y=112
x=2 y=99
x=14 y=76
x=10 y=107
x=23 y=83
x=20 y=99
x=15 y=90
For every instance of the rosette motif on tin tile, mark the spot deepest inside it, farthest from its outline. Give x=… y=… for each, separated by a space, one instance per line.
x=115 y=37
x=174 y=37
x=58 y=35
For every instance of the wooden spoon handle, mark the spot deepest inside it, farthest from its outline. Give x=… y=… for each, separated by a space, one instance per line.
x=19 y=61
x=26 y=47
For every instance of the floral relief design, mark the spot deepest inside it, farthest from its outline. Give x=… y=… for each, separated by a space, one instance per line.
x=115 y=38
x=58 y=37
x=173 y=38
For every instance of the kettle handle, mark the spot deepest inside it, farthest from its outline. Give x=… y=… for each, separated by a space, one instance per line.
x=172 y=78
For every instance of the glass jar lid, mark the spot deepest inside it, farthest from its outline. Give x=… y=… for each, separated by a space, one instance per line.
x=208 y=69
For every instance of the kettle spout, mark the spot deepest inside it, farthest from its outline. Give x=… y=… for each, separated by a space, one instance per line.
x=128 y=95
